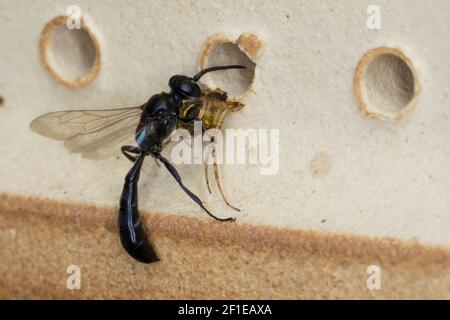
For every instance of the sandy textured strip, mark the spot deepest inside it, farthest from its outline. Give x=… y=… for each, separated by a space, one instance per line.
x=201 y=258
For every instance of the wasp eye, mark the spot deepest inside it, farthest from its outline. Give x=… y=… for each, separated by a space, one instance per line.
x=186 y=87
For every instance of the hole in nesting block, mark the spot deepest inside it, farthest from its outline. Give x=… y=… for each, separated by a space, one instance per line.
x=72 y=56
x=2 y=101
x=235 y=82
x=386 y=84
x=389 y=83
x=71 y=52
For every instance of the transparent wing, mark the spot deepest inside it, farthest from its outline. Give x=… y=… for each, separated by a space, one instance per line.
x=96 y=134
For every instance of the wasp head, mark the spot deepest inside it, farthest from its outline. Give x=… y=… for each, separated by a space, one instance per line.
x=185 y=87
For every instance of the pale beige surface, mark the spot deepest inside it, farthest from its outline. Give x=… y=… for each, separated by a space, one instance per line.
x=339 y=171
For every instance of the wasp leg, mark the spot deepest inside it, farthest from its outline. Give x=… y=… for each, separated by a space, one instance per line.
x=126 y=150
x=188 y=122
x=217 y=177
x=177 y=177
x=131 y=149
x=157 y=163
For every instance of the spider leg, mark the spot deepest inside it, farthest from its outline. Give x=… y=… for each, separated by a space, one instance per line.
x=234 y=106
x=206 y=173
x=217 y=178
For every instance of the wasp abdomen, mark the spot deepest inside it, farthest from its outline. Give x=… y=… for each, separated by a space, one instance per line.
x=132 y=233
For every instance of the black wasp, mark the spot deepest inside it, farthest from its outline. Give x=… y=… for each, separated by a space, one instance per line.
x=96 y=133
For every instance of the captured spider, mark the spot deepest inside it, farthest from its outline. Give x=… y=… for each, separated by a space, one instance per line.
x=211 y=108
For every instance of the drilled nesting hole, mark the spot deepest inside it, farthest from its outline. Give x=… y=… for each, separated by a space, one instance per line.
x=70 y=55
x=2 y=101
x=386 y=83
x=389 y=83
x=71 y=52
x=235 y=82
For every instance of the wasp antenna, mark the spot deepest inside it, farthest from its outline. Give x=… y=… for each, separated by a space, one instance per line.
x=203 y=72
